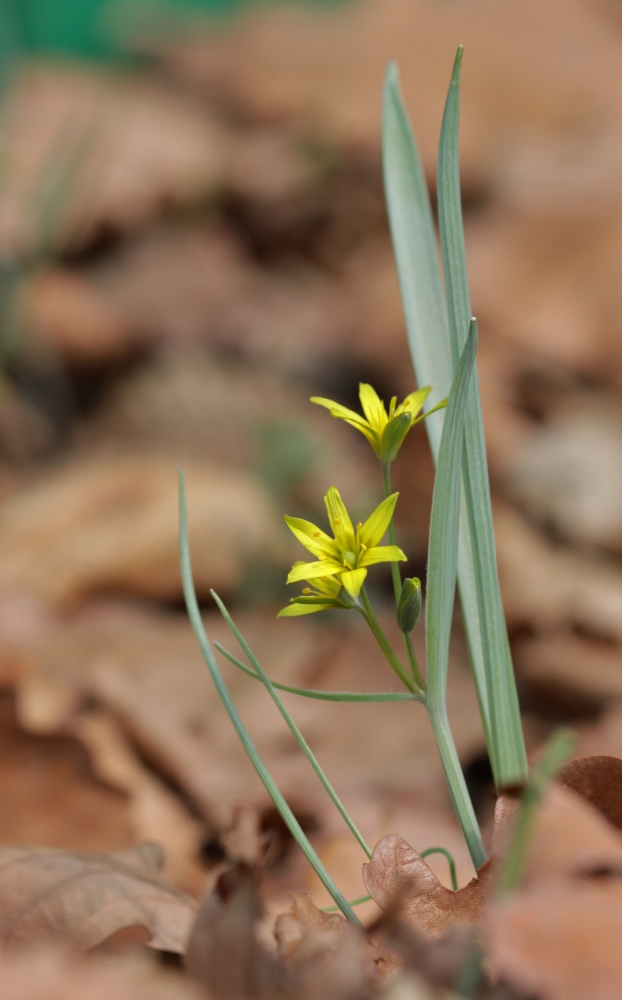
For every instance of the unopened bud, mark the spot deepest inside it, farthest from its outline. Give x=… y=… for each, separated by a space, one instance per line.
x=393 y=435
x=409 y=604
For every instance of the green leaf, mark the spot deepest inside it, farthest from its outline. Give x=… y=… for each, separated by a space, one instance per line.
x=348 y=696
x=441 y=589
x=414 y=242
x=479 y=583
x=210 y=661
x=293 y=728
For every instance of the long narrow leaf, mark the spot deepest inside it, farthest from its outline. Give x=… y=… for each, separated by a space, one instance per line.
x=293 y=728
x=444 y=521
x=505 y=738
x=441 y=590
x=345 y=696
x=421 y=286
x=210 y=661
x=414 y=242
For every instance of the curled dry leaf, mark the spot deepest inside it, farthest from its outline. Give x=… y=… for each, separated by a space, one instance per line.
x=83 y=899
x=318 y=954
x=397 y=871
x=320 y=949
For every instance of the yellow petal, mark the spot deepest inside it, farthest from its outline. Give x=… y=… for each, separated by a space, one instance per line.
x=313 y=538
x=294 y=610
x=414 y=402
x=339 y=519
x=354 y=419
x=309 y=571
x=352 y=581
x=373 y=407
x=382 y=553
x=378 y=522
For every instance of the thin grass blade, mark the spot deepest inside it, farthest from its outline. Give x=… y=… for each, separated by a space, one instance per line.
x=293 y=728
x=210 y=661
x=494 y=673
x=345 y=696
x=441 y=590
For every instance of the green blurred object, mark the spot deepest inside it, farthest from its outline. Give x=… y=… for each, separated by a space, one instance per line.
x=89 y=28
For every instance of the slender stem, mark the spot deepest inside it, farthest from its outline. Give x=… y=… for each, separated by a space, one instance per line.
x=395 y=569
x=397 y=584
x=450 y=861
x=353 y=902
x=295 y=731
x=275 y=794
x=386 y=647
x=457 y=785
x=348 y=696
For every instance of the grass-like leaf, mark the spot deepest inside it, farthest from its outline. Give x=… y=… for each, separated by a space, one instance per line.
x=494 y=673
x=264 y=774
x=293 y=728
x=346 y=696
x=441 y=589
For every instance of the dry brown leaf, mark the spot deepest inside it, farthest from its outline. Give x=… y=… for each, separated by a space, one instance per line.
x=560 y=942
x=322 y=952
x=598 y=780
x=115 y=146
x=82 y=899
x=154 y=811
x=49 y=795
x=225 y=951
x=112 y=522
x=396 y=872
x=47 y=974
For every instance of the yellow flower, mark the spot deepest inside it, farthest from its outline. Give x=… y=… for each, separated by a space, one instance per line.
x=384 y=431
x=325 y=593
x=347 y=555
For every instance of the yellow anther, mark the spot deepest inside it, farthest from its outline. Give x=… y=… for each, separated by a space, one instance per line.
x=306 y=590
x=359 y=525
x=336 y=521
x=363 y=547
x=316 y=534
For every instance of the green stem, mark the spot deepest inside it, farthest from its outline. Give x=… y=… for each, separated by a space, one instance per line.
x=395 y=570
x=364 y=697
x=457 y=785
x=397 y=583
x=275 y=794
x=450 y=861
x=386 y=647
x=295 y=731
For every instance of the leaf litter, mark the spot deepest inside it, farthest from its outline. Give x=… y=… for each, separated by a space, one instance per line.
x=225 y=227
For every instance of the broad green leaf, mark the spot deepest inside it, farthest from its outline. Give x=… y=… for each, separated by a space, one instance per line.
x=493 y=671
x=425 y=313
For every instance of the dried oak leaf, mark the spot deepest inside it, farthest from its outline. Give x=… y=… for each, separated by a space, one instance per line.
x=397 y=870
x=323 y=950
x=48 y=895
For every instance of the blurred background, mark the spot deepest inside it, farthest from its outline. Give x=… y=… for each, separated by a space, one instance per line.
x=193 y=241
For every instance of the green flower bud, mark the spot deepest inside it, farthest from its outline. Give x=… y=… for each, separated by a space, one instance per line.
x=393 y=435
x=409 y=604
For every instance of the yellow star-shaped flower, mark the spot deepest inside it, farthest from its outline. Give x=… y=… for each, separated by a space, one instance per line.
x=347 y=555
x=384 y=431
